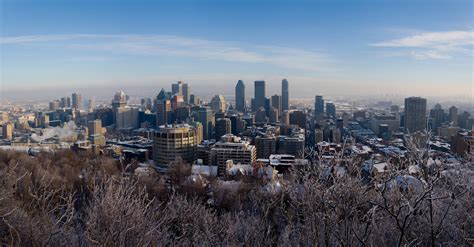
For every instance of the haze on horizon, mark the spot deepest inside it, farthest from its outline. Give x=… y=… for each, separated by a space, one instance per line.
x=322 y=47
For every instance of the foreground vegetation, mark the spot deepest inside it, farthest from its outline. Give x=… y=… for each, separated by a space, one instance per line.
x=70 y=199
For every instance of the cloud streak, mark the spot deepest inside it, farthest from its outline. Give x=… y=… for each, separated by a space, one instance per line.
x=433 y=45
x=179 y=46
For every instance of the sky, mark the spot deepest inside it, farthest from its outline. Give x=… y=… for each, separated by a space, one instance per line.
x=331 y=47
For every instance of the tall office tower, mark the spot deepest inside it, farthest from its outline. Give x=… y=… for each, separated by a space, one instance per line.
x=205 y=116
x=266 y=146
x=240 y=96
x=318 y=106
x=298 y=118
x=95 y=127
x=285 y=96
x=223 y=127
x=7 y=131
x=292 y=145
x=285 y=117
x=233 y=148
x=437 y=116
x=273 y=115
x=177 y=101
x=163 y=112
x=218 y=103
x=276 y=102
x=120 y=100
x=53 y=105
x=146 y=104
x=177 y=88
x=76 y=101
x=174 y=141
x=65 y=102
x=193 y=99
x=126 y=117
x=186 y=91
x=91 y=105
x=162 y=95
x=95 y=132
x=415 y=114
x=259 y=99
x=331 y=109
x=453 y=115
x=237 y=124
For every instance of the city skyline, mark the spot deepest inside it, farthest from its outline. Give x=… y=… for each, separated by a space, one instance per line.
x=325 y=49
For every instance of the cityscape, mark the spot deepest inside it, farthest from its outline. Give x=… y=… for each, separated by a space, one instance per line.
x=276 y=159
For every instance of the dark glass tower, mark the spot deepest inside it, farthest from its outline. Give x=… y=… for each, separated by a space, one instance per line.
x=285 y=97
x=240 y=96
x=259 y=96
x=319 y=105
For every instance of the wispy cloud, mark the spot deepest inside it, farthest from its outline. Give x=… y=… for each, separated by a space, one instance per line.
x=179 y=46
x=433 y=45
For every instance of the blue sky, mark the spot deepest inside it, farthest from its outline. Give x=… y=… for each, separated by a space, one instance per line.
x=322 y=47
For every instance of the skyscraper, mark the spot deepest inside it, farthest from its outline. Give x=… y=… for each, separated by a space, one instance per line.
x=415 y=114
x=186 y=91
x=163 y=112
x=223 y=127
x=319 y=106
x=240 y=96
x=453 y=115
x=120 y=100
x=206 y=118
x=177 y=88
x=437 y=116
x=218 y=103
x=173 y=141
x=276 y=102
x=331 y=109
x=259 y=99
x=76 y=101
x=285 y=97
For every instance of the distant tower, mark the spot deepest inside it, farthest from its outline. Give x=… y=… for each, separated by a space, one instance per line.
x=205 y=116
x=76 y=101
x=223 y=127
x=276 y=102
x=120 y=100
x=218 y=103
x=177 y=88
x=319 y=105
x=453 y=115
x=285 y=97
x=240 y=96
x=415 y=114
x=186 y=91
x=259 y=99
x=331 y=109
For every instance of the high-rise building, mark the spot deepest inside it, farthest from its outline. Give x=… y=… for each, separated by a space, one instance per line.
x=453 y=115
x=285 y=117
x=261 y=115
x=218 y=103
x=65 y=102
x=193 y=99
x=146 y=104
x=298 y=118
x=233 y=148
x=91 y=105
x=331 y=109
x=53 y=105
x=95 y=132
x=120 y=100
x=205 y=116
x=266 y=146
x=259 y=99
x=7 y=131
x=237 y=124
x=127 y=117
x=186 y=91
x=273 y=115
x=223 y=127
x=285 y=97
x=415 y=114
x=437 y=116
x=171 y=142
x=177 y=101
x=240 y=96
x=276 y=102
x=76 y=101
x=177 y=88
x=163 y=112
x=319 y=106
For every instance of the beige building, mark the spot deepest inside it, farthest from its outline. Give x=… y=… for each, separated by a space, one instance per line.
x=173 y=141
x=7 y=131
